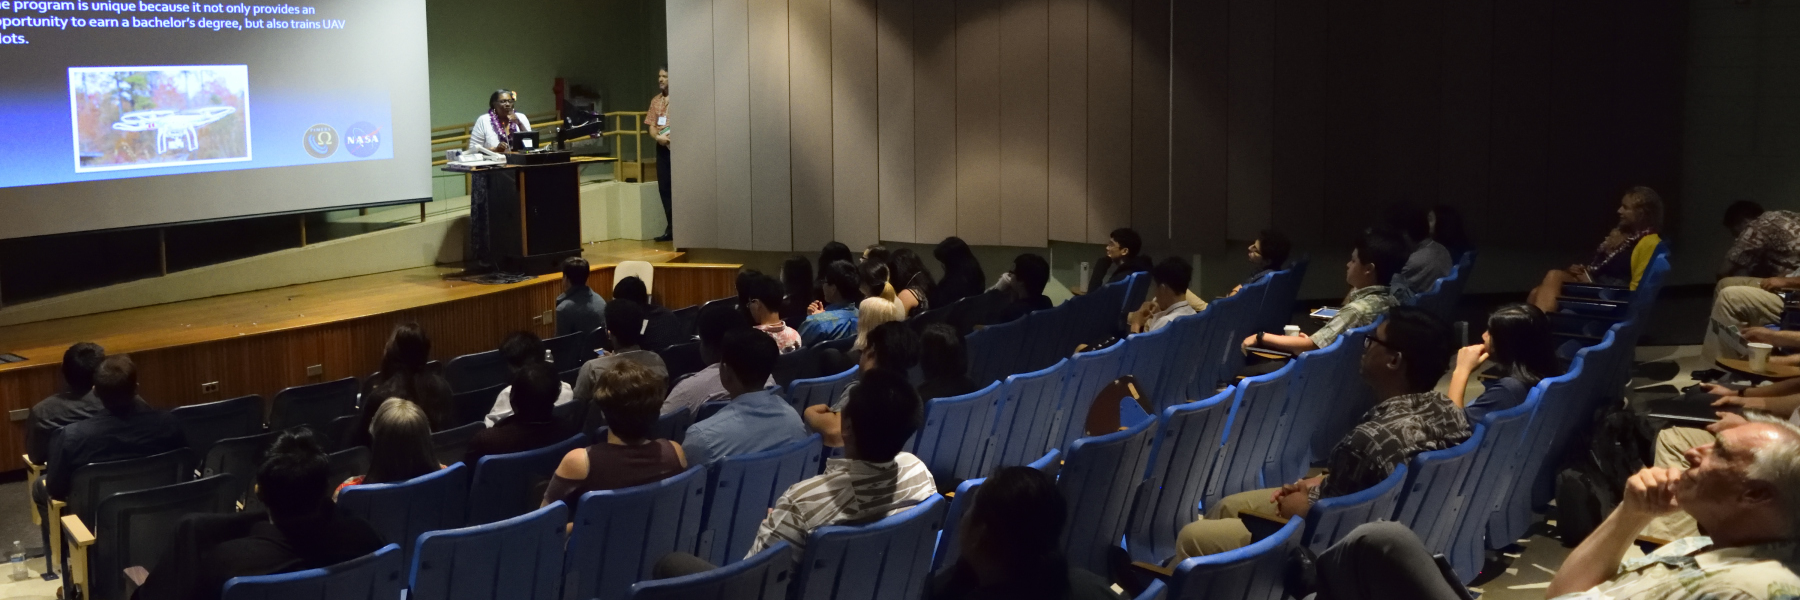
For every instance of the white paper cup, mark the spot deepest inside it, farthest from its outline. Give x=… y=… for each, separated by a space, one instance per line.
x=1291 y=330
x=1759 y=356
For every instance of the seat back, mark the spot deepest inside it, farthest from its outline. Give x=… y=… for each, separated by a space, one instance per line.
x=1147 y=360
x=822 y=390
x=569 y=351
x=473 y=406
x=1349 y=396
x=1087 y=316
x=1544 y=437
x=958 y=433
x=742 y=488
x=997 y=351
x=239 y=457
x=205 y=424
x=947 y=544
x=620 y=534
x=378 y=576
x=1230 y=320
x=1137 y=289
x=133 y=528
x=682 y=359
x=1489 y=479
x=313 y=405
x=765 y=576
x=890 y=558
x=1431 y=501
x=349 y=462
x=1440 y=300
x=477 y=371
x=520 y=557
x=1332 y=518
x=635 y=268
x=1099 y=479
x=1278 y=302
x=1255 y=432
x=1254 y=572
x=1317 y=382
x=1106 y=317
x=1026 y=417
x=1181 y=456
x=673 y=426
x=449 y=445
x=1088 y=374
x=504 y=486
x=402 y=511
x=93 y=483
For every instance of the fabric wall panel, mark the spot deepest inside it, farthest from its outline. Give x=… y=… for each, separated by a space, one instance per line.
x=735 y=213
x=856 y=210
x=894 y=72
x=934 y=119
x=1066 y=106
x=691 y=123
x=809 y=77
x=771 y=187
x=978 y=121
x=1024 y=123
x=1109 y=118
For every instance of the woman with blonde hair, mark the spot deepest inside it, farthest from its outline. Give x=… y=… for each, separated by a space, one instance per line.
x=400 y=445
x=872 y=312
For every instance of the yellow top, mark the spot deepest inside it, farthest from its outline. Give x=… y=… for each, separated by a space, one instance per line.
x=1641 y=256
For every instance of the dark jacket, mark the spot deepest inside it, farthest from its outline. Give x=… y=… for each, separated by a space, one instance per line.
x=1102 y=274
x=207 y=550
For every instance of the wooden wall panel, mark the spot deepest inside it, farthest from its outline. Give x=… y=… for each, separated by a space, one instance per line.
x=1109 y=118
x=809 y=64
x=1066 y=106
x=934 y=119
x=735 y=216
x=978 y=121
x=856 y=209
x=1198 y=123
x=771 y=188
x=1252 y=116
x=693 y=191
x=1150 y=123
x=1024 y=123
x=896 y=159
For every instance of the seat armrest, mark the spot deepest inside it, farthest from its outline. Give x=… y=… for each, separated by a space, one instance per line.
x=33 y=472
x=1591 y=300
x=1562 y=315
x=1267 y=353
x=79 y=538
x=54 y=526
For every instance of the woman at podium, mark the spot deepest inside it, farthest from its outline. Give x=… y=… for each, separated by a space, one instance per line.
x=493 y=130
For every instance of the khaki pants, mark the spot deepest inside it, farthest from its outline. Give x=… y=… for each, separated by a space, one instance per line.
x=1739 y=300
x=1672 y=445
x=1221 y=530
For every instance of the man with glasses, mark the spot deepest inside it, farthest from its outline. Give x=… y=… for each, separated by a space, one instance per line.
x=1402 y=362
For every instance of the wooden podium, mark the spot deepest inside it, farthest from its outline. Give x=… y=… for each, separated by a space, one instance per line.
x=525 y=217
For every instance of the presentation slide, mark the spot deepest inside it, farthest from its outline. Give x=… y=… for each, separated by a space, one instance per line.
x=124 y=114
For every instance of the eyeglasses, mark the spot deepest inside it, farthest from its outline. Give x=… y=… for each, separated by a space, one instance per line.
x=1370 y=341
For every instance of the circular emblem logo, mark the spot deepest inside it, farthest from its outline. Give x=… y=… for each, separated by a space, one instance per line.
x=321 y=141
x=362 y=139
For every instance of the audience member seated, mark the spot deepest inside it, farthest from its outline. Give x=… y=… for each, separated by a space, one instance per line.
x=578 y=308
x=875 y=479
x=522 y=349
x=944 y=359
x=877 y=253
x=834 y=251
x=1268 y=254
x=797 y=290
x=128 y=429
x=1447 y=229
x=1673 y=443
x=1764 y=259
x=1025 y=285
x=873 y=281
x=1622 y=256
x=406 y=373
x=1518 y=342
x=74 y=404
x=532 y=422
x=1376 y=259
x=708 y=383
x=757 y=418
x=835 y=317
x=1401 y=361
x=1011 y=545
x=1429 y=260
x=629 y=395
x=764 y=302
x=913 y=280
x=661 y=327
x=1168 y=298
x=1124 y=256
x=399 y=445
x=625 y=326
x=893 y=346
x=963 y=276
x=301 y=530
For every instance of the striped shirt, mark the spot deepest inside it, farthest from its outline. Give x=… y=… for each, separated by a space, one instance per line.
x=849 y=492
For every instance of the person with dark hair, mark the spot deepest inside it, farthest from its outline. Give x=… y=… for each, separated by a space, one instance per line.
x=656 y=120
x=578 y=308
x=1124 y=256
x=797 y=290
x=1621 y=258
x=405 y=372
x=893 y=346
x=128 y=429
x=913 y=281
x=874 y=280
x=1518 y=340
x=1376 y=259
x=399 y=445
x=1268 y=254
x=624 y=326
x=522 y=349
x=301 y=529
x=944 y=359
x=532 y=422
x=1168 y=300
x=630 y=395
x=708 y=384
x=764 y=302
x=662 y=328
x=1447 y=228
x=757 y=418
x=74 y=404
x=1429 y=260
x=1763 y=260
x=1025 y=284
x=494 y=129
x=835 y=318
x=833 y=251
x=1402 y=362
x=963 y=276
x=876 y=253
x=1011 y=545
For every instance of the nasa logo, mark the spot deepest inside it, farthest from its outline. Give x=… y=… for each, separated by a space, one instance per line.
x=321 y=141
x=362 y=139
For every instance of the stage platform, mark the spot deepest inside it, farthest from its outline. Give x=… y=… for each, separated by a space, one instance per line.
x=259 y=342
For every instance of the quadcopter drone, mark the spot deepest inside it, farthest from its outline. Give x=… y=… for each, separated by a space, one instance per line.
x=175 y=130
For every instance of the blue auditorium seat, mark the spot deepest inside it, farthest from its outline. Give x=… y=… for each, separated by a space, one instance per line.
x=1088 y=374
x=451 y=445
x=1490 y=479
x=1049 y=337
x=958 y=433
x=890 y=558
x=477 y=371
x=742 y=489
x=133 y=528
x=1330 y=519
x=997 y=351
x=1431 y=501
x=1349 y=399
x=1254 y=572
x=1181 y=456
x=620 y=534
x=947 y=548
x=1255 y=432
x=1440 y=300
x=402 y=511
x=1147 y=360
x=673 y=426
x=206 y=424
x=1277 y=306
x=765 y=576
x=1099 y=479
x=1027 y=417
x=520 y=557
x=473 y=405
x=1231 y=320
x=313 y=405
x=378 y=576
x=1317 y=380
x=822 y=390
x=508 y=485
x=568 y=352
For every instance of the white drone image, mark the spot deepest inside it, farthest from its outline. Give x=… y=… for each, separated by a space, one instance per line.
x=175 y=130
x=138 y=117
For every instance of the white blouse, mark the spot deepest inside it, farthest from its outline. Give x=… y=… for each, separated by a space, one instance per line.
x=486 y=136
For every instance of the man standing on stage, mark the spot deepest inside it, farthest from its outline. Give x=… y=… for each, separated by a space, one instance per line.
x=658 y=122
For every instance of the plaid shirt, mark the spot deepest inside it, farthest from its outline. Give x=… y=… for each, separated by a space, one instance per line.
x=659 y=109
x=850 y=491
x=1769 y=245
x=1360 y=308
x=1688 y=568
x=1390 y=434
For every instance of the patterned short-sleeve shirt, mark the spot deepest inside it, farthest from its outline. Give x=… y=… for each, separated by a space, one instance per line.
x=659 y=110
x=850 y=491
x=1688 y=569
x=1360 y=308
x=1391 y=433
x=1769 y=245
